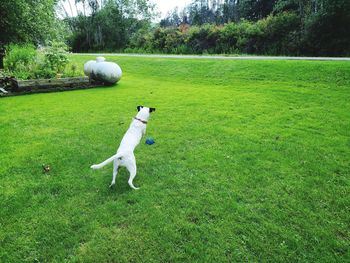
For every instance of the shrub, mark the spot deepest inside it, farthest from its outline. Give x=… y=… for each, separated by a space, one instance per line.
x=248 y=36
x=281 y=34
x=228 y=39
x=41 y=68
x=274 y=35
x=24 y=62
x=159 y=38
x=18 y=57
x=56 y=56
x=204 y=39
x=140 y=42
x=174 y=42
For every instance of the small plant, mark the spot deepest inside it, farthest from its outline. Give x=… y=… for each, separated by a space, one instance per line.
x=56 y=56
x=72 y=70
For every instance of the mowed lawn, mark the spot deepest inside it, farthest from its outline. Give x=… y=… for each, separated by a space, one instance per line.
x=251 y=164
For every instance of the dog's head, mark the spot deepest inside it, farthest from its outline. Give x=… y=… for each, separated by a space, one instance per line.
x=144 y=112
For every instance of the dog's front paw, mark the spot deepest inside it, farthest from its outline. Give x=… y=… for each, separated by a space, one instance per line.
x=94 y=166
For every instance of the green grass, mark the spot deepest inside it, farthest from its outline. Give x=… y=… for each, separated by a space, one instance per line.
x=251 y=163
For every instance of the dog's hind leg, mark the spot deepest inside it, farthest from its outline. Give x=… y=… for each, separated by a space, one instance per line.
x=131 y=166
x=115 y=172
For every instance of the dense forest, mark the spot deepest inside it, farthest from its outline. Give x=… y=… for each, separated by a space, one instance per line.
x=267 y=27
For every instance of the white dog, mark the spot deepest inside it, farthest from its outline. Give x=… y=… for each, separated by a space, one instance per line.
x=125 y=153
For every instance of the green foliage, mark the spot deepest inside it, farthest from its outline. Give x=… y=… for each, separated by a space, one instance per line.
x=277 y=27
x=28 y=21
x=140 y=41
x=255 y=10
x=109 y=27
x=273 y=35
x=203 y=39
x=56 y=56
x=327 y=30
x=24 y=62
x=72 y=70
x=281 y=35
x=18 y=56
x=41 y=69
x=247 y=37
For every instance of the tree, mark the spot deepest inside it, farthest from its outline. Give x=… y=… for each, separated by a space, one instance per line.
x=255 y=10
x=25 y=21
x=172 y=19
x=326 y=29
x=229 y=13
x=28 y=21
x=107 y=25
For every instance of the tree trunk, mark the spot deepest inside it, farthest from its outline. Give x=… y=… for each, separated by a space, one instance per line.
x=2 y=55
x=1 y=61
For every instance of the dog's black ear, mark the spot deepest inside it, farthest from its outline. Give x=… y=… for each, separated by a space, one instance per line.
x=139 y=108
x=152 y=109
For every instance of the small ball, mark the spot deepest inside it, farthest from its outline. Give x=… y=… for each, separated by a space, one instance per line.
x=150 y=141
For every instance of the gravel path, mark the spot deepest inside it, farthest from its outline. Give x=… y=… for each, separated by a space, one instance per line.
x=218 y=57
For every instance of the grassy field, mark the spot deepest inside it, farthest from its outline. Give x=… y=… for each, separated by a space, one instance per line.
x=251 y=163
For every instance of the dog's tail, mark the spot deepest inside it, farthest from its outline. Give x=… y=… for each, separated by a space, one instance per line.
x=109 y=160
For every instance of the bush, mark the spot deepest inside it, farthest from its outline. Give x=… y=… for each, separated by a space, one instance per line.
x=159 y=38
x=140 y=42
x=273 y=35
x=248 y=37
x=174 y=42
x=204 y=39
x=18 y=59
x=281 y=34
x=24 y=62
x=228 y=39
x=56 y=56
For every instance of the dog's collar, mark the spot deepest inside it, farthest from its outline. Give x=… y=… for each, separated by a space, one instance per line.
x=144 y=122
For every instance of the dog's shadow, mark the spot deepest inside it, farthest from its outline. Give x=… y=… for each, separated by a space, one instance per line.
x=121 y=184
